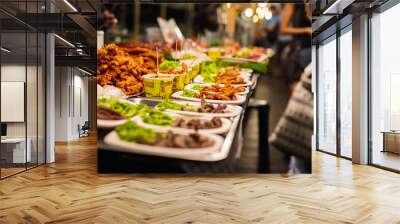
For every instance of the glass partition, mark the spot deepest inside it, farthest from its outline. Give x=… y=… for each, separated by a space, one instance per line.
x=385 y=89
x=31 y=97
x=326 y=96
x=41 y=97
x=15 y=152
x=346 y=93
x=22 y=94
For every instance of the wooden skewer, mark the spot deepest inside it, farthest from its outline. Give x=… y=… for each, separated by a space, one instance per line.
x=157 y=59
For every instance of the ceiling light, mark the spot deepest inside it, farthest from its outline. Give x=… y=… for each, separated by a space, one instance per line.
x=228 y=5
x=65 y=41
x=5 y=50
x=260 y=12
x=248 y=12
x=70 y=6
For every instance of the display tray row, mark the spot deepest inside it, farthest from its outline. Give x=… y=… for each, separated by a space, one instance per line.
x=184 y=105
x=173 y=128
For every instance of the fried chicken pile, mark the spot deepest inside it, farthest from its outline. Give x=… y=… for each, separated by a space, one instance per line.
x=146 y=56
x=151 y=45
x=182 y=70
x=229 y=76
x=116 y=67
x=224 y=89
x=216 y=96
x=229 y=79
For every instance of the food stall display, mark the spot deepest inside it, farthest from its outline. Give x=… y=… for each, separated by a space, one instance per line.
x=181 y=105
x=255 y=58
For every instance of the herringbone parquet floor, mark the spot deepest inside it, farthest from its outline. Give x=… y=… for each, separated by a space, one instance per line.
x=71 y=191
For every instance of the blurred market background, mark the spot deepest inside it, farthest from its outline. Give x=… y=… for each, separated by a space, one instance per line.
x=285 y=28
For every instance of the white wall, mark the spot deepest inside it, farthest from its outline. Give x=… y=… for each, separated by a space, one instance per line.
x=61 y=103
x=12 y=73
x=71 y=103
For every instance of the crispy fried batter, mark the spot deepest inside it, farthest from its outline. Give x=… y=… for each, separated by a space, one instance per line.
x=229 y=75
x=216 y=96
x=224 y=89
x=123 y=70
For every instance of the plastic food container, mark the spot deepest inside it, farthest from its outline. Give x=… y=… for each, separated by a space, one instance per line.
x=158 y=86
x=214 y=53
x=187 y=77
x=178 y=81
x=195 y=71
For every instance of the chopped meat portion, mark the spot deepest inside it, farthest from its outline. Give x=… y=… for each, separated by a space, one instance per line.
x=105 y=113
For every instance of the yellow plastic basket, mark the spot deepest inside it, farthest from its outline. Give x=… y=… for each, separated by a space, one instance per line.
x=158 y=86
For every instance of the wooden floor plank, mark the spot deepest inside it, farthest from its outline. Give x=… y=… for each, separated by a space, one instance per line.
x=71 y=191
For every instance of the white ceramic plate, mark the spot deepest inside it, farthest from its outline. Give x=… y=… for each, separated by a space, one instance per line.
x=109 y=123
x=109 y=91
x=260 y=59
x=246 y=73
x=182 y=153
x=226 y=124
x=240 y=99
x=247 y=70
x=231 y=111
x=137 y=94
x=112 y=123
x=190 y=86
x=199 y=80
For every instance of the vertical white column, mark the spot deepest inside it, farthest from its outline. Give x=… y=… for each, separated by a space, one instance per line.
x=50 y=98
x=50 y=91
x=360 y=90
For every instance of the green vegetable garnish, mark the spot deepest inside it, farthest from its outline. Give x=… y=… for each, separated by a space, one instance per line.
x=156 y=117
x=166 y=65
x=188 y=92
x=125 y=109
x=187 y=56
x=209 y=72
x=132 y=132
x=197 y=87
x=168 y=104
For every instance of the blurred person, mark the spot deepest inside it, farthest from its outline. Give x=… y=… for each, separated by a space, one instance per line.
x=269 y=34
x=107 y=21
x=272 y=25
x=296 y=21
x=206 y=24
x=292 y=135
